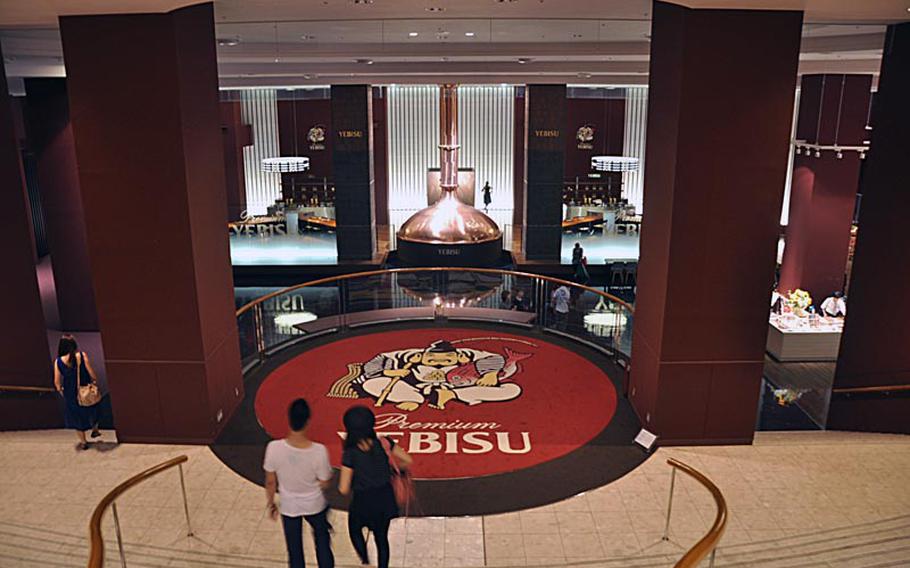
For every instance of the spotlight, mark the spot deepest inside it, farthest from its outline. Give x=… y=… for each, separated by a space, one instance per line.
x=818 y=153
x=469 y=34
x=799 y=150
x=523 y=60
x=413 y=34
x=839 y=155
x=862 y=155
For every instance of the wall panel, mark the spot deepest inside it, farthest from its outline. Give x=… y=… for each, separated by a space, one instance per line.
x=260 y=110
x=634 y=143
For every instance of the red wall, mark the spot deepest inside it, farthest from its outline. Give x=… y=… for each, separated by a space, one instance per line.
x=312 y=112
x=309 y=113
x=23 y=336
x=607 y=116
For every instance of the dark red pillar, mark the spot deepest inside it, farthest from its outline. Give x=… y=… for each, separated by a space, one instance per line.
x=50 y=137
x=144 y=105
x=23 y=336
x=875 y=347
x=720 y=106
x=832 y=112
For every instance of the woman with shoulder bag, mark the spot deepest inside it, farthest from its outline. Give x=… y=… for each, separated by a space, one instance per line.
x=366 y=469
x=75 y=379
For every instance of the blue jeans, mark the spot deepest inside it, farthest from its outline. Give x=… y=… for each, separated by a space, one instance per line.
x=293 y=536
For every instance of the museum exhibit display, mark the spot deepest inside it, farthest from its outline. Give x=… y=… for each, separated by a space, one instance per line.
x=449 y=231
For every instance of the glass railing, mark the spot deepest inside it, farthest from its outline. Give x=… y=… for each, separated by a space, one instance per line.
x=587 y=314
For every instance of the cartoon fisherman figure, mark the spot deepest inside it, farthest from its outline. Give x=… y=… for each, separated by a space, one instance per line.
x=437 y=375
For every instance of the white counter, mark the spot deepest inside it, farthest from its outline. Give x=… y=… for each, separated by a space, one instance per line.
x=795 y=339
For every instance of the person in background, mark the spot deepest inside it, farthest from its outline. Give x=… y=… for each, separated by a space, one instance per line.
x=366 y=472
x=70 y=367
x=577 y=254
x=560 y=299
x=835 y=305
x=505 y=300
x=519 y=302
x=487 y=196
x=299 y=469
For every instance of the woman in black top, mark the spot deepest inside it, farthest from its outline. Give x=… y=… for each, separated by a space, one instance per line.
x=365 y=470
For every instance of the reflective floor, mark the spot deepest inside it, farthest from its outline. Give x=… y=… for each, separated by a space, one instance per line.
x=305 y=248
x=601 y=247
x=320 y=248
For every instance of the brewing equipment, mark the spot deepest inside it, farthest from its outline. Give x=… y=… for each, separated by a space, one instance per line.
x=449 y=232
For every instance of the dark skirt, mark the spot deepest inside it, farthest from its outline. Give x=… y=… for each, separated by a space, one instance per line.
x=370 y=507
x=74 y=416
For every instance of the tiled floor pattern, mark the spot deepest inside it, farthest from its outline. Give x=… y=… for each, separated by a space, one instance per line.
x=796 y=499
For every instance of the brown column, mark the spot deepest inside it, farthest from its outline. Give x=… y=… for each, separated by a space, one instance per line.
x=23 y=337
x=874 y=348
x=352 y=166
x=50 y=137
x=235 y=135
x=832 y=111
x=720 y=106
x=545 y=157
x=144 y=106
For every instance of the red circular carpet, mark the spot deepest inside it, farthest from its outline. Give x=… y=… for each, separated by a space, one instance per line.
x=465 y=402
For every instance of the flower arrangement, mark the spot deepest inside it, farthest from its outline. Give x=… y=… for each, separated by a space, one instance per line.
x=799 y=301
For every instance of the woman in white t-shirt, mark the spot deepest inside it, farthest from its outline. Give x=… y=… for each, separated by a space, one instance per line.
x=299 y=469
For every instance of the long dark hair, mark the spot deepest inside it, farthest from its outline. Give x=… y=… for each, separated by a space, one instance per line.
x=359 y=422
x=67 y=346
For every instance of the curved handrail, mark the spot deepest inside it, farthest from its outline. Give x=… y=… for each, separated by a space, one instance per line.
x=366 y=273
x=14 y=388
x=708 y=543
x=882 y=388
x=96 y=554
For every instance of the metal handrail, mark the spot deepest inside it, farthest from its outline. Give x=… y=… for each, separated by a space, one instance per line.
x=352 y=275
x=882 y=388
x=707 y=545
x=96 y=554
x=14 y=388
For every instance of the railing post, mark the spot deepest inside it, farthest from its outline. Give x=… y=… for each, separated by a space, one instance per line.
x=186 y=506
x=260 y=336
x=713 y=554
x=669 y=505
x=119 y=536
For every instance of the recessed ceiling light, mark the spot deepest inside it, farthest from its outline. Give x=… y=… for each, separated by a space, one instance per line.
x=523 y=60
x=362 y=1
x=307 y=37
x=364 y=61
x=469 y=34
x=435 y=9
x=413 y=34
x=228 y=41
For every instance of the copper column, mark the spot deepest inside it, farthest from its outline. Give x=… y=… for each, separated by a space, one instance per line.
x=448 y=137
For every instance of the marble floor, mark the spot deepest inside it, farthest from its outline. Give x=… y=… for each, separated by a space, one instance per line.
x=796 y=499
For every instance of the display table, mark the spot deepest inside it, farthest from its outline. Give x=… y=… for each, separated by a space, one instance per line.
x=792 y=338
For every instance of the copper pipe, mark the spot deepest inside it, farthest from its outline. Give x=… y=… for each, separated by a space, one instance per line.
x=448 y=137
